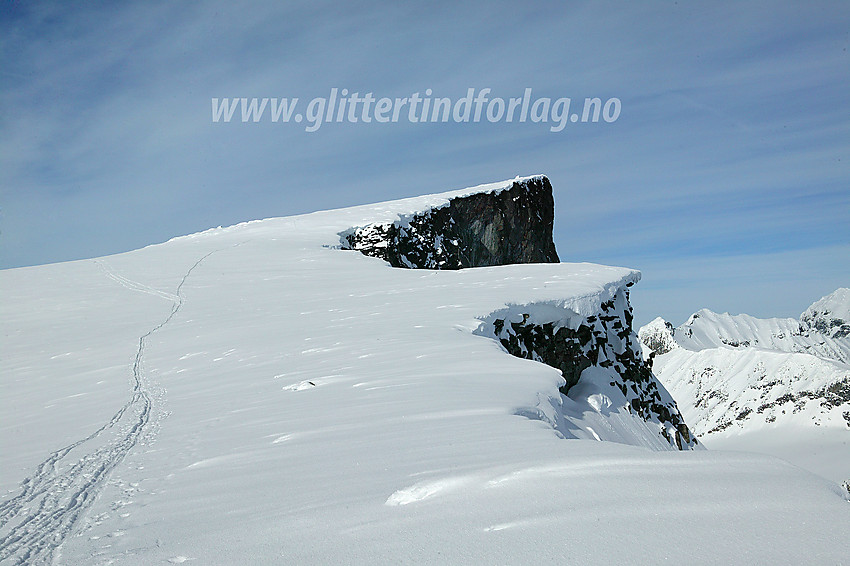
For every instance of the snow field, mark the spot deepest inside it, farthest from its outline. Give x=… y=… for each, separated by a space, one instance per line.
x=309 y=405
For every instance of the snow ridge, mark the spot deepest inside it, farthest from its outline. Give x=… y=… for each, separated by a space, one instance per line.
x=325 y=408
x=707 y=329
x=515 y=227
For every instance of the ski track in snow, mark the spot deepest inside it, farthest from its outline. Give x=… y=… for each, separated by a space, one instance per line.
x=134 y=285
x=35 y=523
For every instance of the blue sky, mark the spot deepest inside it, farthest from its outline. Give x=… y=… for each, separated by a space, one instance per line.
x=726 y=178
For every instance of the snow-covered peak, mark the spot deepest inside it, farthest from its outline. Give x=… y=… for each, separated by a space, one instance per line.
x=708 y=329
x=658 y=336
x=831 y=314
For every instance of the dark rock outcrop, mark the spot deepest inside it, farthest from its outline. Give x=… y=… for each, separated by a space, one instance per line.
x=606 y=340
x=507 y=227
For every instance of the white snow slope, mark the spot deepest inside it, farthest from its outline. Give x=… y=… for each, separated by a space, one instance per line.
x=251 y=395
x=778 y=386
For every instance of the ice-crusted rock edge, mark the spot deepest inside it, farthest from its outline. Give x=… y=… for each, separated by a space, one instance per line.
x=599 y=357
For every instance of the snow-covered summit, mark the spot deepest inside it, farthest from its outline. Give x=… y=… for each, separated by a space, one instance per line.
x=830 y=315
x=324 y=226
x=657 y=335
x=254 y=394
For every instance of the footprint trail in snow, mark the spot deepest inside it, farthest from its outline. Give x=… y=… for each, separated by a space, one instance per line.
x=35 y=522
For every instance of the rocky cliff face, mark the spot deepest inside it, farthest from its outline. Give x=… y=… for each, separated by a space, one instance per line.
x=605 y=343
x=498 y=228
x=512 y=226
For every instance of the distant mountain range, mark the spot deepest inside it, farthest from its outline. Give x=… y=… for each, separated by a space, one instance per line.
x=737 y=373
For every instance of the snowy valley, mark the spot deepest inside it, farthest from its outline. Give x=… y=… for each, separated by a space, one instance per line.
x=266 y=394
